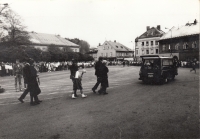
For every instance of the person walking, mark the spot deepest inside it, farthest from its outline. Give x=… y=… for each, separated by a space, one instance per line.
x=97 y=73
x=193 y=66
x=104 y=78
x=32 y=83
x=76 y=78
x=26 y=89
x=18 y=75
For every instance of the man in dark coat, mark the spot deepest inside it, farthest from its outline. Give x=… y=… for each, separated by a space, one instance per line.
x=32 y=82
x=104 y=78
x=97 y=73
x=25 y=74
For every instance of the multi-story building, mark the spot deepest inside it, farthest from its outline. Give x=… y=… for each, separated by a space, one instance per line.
x=43 y=41
x=93 y=53
x=114 y=51
x=148 y=42
x=181 y=42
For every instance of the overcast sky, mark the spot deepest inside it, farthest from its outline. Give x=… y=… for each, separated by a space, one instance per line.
x=98 y=20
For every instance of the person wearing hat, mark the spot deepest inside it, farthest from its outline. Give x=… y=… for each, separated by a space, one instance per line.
x=76 y=78
x=97 y=73
x=32 y=83
x=103 y=74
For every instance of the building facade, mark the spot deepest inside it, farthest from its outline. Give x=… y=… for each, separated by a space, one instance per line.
x=181 y=42
x=148 y=42
x=43 y=41
x=114 y=51
x=93 y=53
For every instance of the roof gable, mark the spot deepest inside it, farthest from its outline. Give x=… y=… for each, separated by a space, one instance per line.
x=117 y=46
x=49 y=39
x=185 y=30
x=153 y=32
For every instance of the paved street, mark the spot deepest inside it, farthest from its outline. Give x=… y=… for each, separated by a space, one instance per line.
x=131 y=110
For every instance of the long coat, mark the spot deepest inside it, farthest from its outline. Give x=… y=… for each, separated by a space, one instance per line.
x=103 y=73
x=97 y=68
x=30 y=74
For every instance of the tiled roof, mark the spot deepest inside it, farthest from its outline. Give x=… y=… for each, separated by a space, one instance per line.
x=153 y=32
x=188 y=29
x=49 y=39
x=118 y=46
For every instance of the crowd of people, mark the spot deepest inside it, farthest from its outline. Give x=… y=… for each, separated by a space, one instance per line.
x=7 y=69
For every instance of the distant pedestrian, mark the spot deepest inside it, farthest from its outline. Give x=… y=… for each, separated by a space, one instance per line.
x=104 y=78
x=124 y=63
x=193 y=66
x=18 y=76
x=76 y=78
x=97 y=73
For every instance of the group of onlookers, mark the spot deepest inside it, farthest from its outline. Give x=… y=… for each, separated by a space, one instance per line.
x=7 y=69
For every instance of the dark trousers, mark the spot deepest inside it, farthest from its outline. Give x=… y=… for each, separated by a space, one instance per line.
x=35 y=98
x=24 y=93
x=97 y=84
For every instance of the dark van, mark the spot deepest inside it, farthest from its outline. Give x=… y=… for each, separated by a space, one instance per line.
x=157 y=69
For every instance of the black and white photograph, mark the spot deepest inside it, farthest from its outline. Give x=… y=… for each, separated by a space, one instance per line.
x=99 y=69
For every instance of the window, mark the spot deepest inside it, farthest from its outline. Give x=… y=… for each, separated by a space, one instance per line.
x=147 y=43
x=122 y=47
x=147 y=51
x=176 y=46
x=156 y=51
x=116 y=46
x=106 y=54
x=169 y=47
x=104 y=48
x=110 y=54
x=75 y=50
x=108 y=47
x=167 y=62
x=157 y=42
x=102 y=54
x=135 y=43
x=142 y=43
x=164 y=47
x=185 y=45
x=151 y=43
x=194 y=44
x=143 y=52
x=136 y=52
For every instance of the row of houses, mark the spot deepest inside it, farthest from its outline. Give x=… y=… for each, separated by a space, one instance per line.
x=179 y=42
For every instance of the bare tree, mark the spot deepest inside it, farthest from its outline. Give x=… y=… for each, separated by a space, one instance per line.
x=16 y=33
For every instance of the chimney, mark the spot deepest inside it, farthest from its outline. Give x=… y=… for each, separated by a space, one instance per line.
x=158 y=27
x=99 y=44
x=148 y=28
x=115 y=41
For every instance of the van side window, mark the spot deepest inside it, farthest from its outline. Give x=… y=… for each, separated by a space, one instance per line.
x=167 y=62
